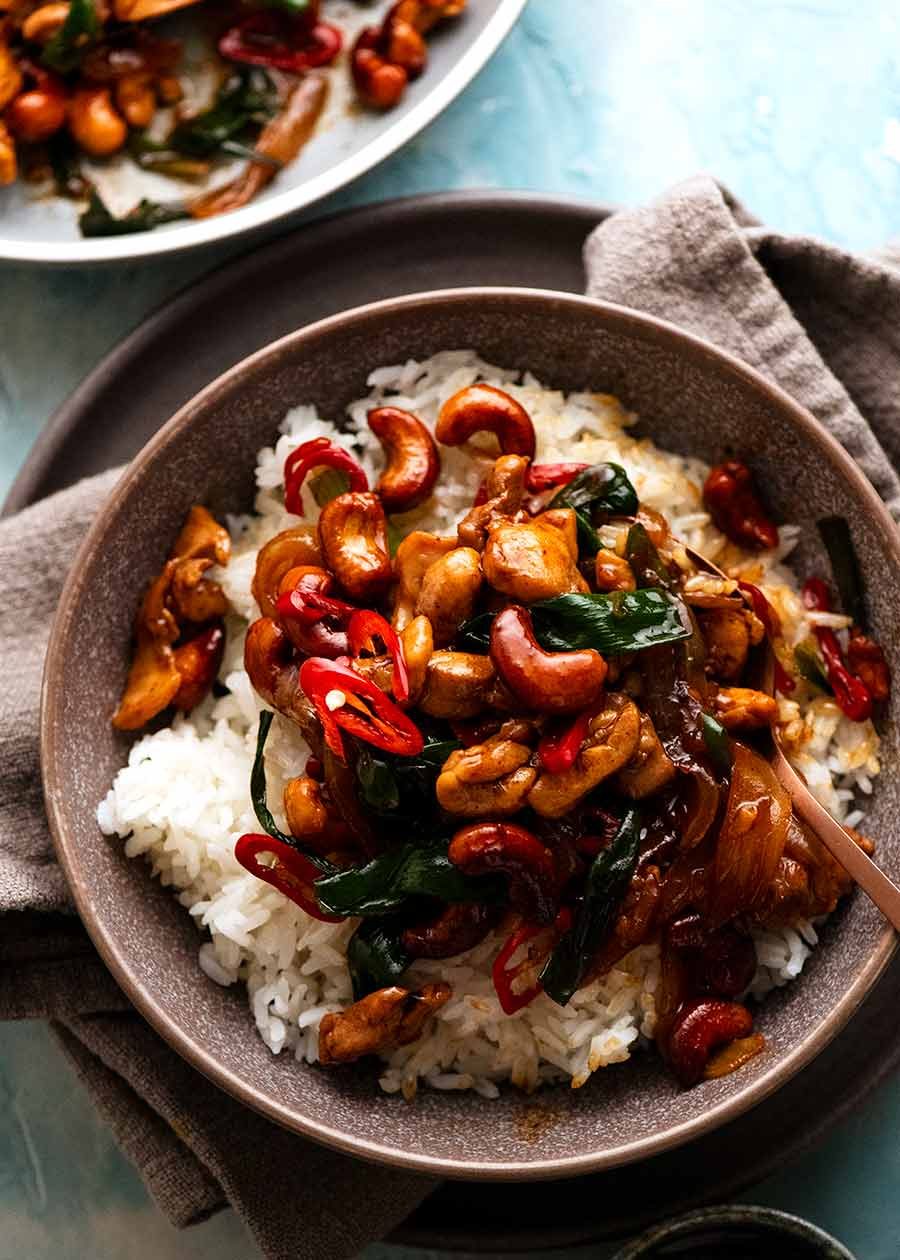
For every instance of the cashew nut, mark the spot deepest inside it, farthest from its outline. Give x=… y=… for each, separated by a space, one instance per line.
x=95 y=125
x=485 y=847
x=453 y=930
x=531 y=561
x=41 y=25
x=457 y=684
x=310 y=819
x=417 y=642
x=378 y=82
x=136 y=99
x=315 y=638
x=353 y=538
x=483 y=408
x=547 y=682
x=413 y=462
x=270 y=662
x=287 y=550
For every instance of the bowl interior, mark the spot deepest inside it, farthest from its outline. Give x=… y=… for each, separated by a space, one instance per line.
x=691 y=399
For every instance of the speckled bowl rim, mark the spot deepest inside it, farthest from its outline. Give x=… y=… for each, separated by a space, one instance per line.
x=776 y=1225
x=650 y=328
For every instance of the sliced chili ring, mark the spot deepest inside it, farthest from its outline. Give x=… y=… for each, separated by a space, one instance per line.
x=362 y=709
x=290 y=872
x=365 y=626
x=320 y=452
x=504 y=976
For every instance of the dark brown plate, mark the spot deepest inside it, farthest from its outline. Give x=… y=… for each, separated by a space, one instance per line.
x=465 y=238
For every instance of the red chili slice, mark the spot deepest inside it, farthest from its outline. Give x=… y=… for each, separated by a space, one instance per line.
x=548 y=476
x=269 y=39
x=365 y=711
x=320 y=452
x=850 y=693
x=366 y=626
x=504 y=976
x=558 y=750
x=290 y=872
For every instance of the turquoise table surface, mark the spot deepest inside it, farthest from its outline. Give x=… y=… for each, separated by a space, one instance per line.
x=795 y=104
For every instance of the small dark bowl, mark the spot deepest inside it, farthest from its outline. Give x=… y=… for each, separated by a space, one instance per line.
x=738 y=1231
x=694 y=399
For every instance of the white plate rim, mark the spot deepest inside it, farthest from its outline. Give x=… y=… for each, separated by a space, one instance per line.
x=256 y=215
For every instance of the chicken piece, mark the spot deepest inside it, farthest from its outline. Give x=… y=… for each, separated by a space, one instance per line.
x=650 y=768
x=612 y=740
x=743 y=709
x=382 y=1021
x=490 y=779
x=532 y=561
x=449 y=589
x=416 y=554
x=729 y=633
x=808 y=881
x=505 y=490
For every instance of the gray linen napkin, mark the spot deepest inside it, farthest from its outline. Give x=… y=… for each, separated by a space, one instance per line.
x=195 y=1147
x=824 y=324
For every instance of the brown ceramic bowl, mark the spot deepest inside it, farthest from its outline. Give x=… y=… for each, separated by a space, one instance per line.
x=693 y=399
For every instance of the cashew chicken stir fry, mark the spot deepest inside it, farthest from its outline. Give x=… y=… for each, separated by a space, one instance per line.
x=544 y=725
x=95 y=78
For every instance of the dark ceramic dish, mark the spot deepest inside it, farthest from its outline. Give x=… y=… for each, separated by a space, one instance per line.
x=737 y=1232
x=695 y=400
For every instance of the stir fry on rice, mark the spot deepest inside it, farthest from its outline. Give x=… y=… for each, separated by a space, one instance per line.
x=540 y=734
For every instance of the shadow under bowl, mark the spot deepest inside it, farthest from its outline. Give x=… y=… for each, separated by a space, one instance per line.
x=692 y=399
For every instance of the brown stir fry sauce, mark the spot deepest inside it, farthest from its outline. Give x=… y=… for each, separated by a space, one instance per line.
x=519 y=725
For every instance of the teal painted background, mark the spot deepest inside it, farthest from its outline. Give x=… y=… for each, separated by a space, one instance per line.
x=793 y=103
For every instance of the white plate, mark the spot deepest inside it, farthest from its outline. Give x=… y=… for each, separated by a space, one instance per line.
x=348 y=143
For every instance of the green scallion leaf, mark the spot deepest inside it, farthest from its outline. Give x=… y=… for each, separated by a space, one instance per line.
x=836 y=536
x=258 y=797
x=602 y=488
x=606 y=884
x=384 y=884
x=624 y=621
x=811 y=667
x=375 y=956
